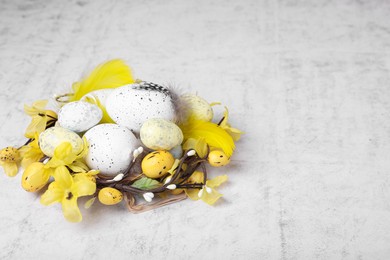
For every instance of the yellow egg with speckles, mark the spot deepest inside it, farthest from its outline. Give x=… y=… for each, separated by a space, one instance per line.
x=218 y=158
x=9 y=154
x=35 y=177
x=197 y=107
x=110 y=196
x=157 y=164
x=54 y=136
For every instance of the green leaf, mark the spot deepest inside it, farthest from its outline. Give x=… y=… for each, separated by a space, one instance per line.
x=146 y=183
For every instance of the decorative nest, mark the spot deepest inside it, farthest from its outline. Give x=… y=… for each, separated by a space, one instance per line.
x=149 y=155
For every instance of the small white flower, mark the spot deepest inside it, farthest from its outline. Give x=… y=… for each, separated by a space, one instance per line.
x=168 y=179
x=119 y=177
x=171 y=187
x=191 y=153
x=46 y=160
x=200 y=193
x=148 y=196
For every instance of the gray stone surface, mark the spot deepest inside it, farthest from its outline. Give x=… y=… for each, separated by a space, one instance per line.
x=308 y=81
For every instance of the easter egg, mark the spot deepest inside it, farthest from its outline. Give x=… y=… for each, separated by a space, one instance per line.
x=133 y=104
x=110 y=148
x=54 y=136
x=100 y=94
x=79 y=116
x=110 y=196
x=218 y=158
x=9 y=154
x=157 y=164
x=160 y=134
x=35 y=177
x=197 y=107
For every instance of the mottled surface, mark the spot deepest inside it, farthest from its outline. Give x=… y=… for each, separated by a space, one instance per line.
x=79 y=116
x=308 y=81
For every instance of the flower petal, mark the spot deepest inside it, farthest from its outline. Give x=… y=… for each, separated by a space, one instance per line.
x=196 y=177
x=192 y=193
x=83 y=186
x=36 y=107
x=63 y=178
x=10 y=168
x=64 y=152
x=217 y=181
x=37 y=125
x=212 y=197
x=53 y=194
x=71 y=210
x=78 y=166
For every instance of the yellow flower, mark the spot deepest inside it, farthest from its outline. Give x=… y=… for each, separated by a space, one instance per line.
x=199 y=145
x=9 y=158
x=91 y=175
x=208 y=193
x=64 y=156
x=234 y=132
x=31 y=153
x=40 y=118
x=66 y=190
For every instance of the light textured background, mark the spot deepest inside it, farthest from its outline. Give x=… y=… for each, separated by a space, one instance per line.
x=307 y=80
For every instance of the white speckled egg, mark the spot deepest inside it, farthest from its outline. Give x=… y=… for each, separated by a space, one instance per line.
x=110 y=148
x=79 y=116
x=133 y=104
x=160 y=134
x=54 y=136
x=197 y=107
x=101 y=94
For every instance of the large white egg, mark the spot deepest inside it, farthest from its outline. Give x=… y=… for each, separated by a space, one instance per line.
x=160 y=134
x=101 y=94
x=79 y=116
x=133 y=104
x=110 y=148
x=54 y=136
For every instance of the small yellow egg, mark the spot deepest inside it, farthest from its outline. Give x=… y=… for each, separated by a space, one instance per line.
x=35 y=177
x=110 y=196
x=157 y=164
x=197 y=107
x=218 y=158
x=9 y=154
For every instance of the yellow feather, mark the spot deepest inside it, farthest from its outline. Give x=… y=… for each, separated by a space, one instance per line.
x=112 y=74
x=106 y=118
x=214 y=135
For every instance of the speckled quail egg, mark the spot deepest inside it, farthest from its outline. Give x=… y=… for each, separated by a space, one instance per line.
x=110 y=148
x=160 y=134
x=197 y=107
x=157 y=164
x=54 y=136
x=218 y=158
x=133 y=104
x=35 y=177
x=79 y=116
x=110 y=196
